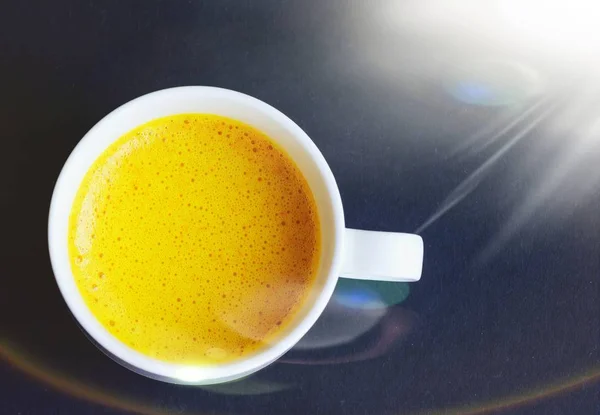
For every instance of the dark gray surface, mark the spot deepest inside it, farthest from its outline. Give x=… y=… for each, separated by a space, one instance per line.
x=489 y=149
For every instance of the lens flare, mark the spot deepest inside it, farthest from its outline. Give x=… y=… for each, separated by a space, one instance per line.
x=49 y=376
x=494 y=83
x=370 y=294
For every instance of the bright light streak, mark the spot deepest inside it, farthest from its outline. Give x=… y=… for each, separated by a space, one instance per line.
x=563 y=33
x=572 y=25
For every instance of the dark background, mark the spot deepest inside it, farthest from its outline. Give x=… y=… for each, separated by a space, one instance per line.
x=431 y=121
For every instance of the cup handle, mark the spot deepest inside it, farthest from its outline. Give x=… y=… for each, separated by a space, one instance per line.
x=382 y=256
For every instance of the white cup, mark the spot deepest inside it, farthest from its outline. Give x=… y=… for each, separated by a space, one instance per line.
x=345 y=252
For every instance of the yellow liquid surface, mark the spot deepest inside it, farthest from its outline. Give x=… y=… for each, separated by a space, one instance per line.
x=194 y=239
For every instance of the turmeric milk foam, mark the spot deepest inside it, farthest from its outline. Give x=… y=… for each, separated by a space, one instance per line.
x=194 y=239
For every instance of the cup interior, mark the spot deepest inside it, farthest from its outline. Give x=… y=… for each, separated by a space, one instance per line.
x=213 y=101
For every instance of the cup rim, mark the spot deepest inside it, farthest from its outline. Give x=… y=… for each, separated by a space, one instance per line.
x=179 y=373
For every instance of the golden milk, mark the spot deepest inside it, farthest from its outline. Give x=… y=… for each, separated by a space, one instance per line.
x=194 y=239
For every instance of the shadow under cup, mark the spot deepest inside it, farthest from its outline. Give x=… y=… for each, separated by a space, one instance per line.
x=278 y=128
